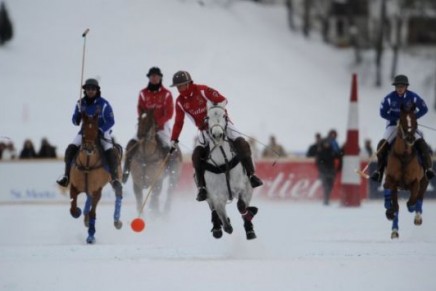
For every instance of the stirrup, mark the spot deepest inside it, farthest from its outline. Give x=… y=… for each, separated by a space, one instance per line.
x=202 y=194
x=63 y=181
x=429 y=173
x=255 y=181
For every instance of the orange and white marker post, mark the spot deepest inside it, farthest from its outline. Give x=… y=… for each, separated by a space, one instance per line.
x=350 y=182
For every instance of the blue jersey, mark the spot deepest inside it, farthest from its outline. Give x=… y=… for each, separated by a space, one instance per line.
x=99 y=104
x=391 y=104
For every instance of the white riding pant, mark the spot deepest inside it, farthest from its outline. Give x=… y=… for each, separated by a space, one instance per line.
x=391 y=133
x=204 y=138
x=105 y=140
x=163 y=134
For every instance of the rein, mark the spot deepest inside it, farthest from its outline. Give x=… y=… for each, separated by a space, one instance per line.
x=225 y=168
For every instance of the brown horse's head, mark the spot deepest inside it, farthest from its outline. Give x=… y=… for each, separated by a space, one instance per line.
x=407 y=124
x=147 y=129
x=89 y=132
x=146 y=125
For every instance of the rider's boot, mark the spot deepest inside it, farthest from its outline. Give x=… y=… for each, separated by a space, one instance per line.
x=382 y=156
x=198 y=155
x=244 y=153
x=112 y=159
x=70 y=153
x=423 y=151
x=130 y=152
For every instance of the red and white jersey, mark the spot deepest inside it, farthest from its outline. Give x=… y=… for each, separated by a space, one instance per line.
x=193 y=102
x=161 y=101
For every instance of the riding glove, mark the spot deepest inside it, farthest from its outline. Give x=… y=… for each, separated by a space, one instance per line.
x=173 y=146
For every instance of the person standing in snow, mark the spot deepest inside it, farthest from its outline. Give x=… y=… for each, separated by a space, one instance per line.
x=390 y=110
x=90 y=104
x=193 y=101
x=154 y=96
x=325 y=158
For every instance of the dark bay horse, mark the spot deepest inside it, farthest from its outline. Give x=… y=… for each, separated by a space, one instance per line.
x=404 y=171
x=225 y=178
x=89 y=176
x=147 y=162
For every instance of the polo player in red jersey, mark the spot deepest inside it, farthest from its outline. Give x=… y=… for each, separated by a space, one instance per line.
x=193 y=101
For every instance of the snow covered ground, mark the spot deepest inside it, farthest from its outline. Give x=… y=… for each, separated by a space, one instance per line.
x=300 y=246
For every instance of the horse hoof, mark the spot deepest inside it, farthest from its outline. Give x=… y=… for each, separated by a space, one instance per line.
x=390 y=214
x=90 y=240
x=228 y=229
x=118 y=224
x=251 y=235
x=217 y=233
x=76 y=212
x=395 y=234
x=418 y=219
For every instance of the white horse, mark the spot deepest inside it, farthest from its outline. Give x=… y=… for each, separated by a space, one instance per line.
x=225 y=177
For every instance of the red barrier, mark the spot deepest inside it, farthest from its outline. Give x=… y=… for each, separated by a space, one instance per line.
x=287 y=179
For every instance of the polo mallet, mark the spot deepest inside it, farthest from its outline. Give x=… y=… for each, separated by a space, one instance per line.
x=362 y=172
x=83 y=64
x=138 y=223
x=261 y=143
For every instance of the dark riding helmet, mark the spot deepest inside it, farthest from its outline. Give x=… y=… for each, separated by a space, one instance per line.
x=154 y=71
x=401 y=80
x=181 y=78
x=91 y=83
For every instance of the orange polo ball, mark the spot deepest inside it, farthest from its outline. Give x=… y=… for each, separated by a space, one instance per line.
x=138 y=224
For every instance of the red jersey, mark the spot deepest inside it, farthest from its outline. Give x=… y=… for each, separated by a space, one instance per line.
x=193 y=102
x=161 y=101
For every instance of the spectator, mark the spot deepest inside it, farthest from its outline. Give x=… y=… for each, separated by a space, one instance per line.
x=338 y=151
x=28 y=151
x=46 y=150
x=273 y=149
x=313 y=149
x=368 y=148
x=7 y=151
x=325 y=162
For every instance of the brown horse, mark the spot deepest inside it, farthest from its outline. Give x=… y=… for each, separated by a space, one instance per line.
x=404 y=171
x=88 y=175
x=148 y=162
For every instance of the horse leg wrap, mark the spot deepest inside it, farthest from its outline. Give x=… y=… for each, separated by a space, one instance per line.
x=388 y=198
x=419 y=206
x=249 y=213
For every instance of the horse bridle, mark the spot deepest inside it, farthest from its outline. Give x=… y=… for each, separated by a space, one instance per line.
x=408 y=135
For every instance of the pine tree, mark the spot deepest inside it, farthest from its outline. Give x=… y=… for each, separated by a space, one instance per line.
x=6 y=31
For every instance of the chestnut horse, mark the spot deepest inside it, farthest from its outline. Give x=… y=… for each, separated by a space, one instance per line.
x=404 y=171
x=88 y=175
x=147 y=162
x=226 y=178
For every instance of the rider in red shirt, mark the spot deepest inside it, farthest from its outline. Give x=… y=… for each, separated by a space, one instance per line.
x=192 y=101
x=154 y=96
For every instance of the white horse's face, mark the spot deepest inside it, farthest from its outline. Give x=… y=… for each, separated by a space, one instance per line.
x=217 y=121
